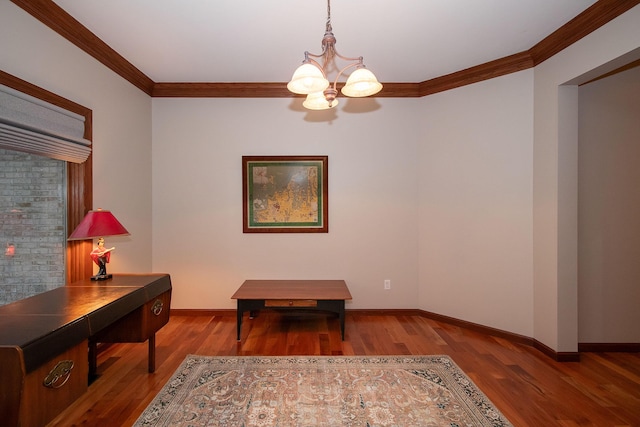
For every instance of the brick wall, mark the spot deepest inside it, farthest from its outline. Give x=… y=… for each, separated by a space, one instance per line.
x=32 y=224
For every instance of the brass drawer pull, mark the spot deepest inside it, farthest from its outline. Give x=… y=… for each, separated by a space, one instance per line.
x=59 y=375
x=157 y=307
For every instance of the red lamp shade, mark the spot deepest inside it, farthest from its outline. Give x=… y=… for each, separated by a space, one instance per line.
x=98 y=223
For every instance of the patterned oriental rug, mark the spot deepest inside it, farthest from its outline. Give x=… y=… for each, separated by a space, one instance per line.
x=289 y=391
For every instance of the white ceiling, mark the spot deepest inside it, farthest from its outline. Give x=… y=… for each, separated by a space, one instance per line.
x=264 y=41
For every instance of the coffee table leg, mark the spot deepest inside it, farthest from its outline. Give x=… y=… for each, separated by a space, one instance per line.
x=239 y=319
x=341 y=314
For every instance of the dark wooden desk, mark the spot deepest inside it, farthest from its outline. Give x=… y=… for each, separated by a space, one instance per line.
x=44 y=340
x=316 y=295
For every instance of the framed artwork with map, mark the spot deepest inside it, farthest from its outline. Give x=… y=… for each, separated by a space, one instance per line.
x=285 y=194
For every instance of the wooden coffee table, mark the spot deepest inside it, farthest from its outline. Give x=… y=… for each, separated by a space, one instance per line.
x=315 y=295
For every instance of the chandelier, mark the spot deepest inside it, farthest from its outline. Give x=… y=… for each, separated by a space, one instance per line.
x=311 y=77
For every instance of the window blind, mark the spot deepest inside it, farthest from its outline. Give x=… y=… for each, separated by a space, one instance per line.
x=34 y=126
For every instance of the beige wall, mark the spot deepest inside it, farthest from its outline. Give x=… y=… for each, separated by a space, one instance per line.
x=197 y=198
x=433 y=194
x=476 y=203
x=555 y=174
x=121 y=124
x=609 y=209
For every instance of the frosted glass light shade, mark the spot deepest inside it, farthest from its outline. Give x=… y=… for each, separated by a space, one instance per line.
x=307 y=79
x=361 y=82
x=317 y=101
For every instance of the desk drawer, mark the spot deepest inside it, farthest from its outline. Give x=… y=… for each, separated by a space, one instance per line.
x=54 y=386
x=140 y=324
x=290 y=303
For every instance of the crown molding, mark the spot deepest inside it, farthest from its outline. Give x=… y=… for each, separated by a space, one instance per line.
x=56 y=18
x=594 y=17
x=220 y=90
x=489 y=70
x=53 y=16
x=262 y=90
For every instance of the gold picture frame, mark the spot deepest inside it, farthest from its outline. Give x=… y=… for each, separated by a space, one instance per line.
x=285 y=194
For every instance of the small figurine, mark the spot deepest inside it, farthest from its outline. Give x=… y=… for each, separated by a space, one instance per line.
x=101 y=256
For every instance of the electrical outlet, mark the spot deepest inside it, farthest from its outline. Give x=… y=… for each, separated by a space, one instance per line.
x=387 y=284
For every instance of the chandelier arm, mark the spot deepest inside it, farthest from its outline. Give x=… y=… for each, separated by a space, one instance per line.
x=308 y=54
x=328 y=51
x=316 y=63
x=346 y=58
x=353 y=64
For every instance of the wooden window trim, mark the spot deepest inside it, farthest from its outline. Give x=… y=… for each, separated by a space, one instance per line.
x=79 y=180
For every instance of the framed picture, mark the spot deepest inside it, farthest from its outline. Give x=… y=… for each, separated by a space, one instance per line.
x=285 y=194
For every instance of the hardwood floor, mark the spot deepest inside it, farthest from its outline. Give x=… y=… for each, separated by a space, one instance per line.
x=529 y=388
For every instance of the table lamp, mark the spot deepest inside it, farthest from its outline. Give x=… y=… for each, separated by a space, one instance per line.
x=98 y=224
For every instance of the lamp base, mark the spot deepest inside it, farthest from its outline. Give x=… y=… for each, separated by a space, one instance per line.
x=102 y=277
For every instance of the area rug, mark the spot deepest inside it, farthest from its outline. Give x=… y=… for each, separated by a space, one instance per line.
x=289 y=391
